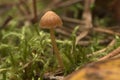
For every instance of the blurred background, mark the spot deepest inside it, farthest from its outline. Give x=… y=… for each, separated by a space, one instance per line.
x=89 y=27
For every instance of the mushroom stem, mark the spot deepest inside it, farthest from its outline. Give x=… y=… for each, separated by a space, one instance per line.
x=55 y=47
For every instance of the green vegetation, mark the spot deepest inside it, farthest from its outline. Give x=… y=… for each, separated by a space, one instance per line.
x=27 y=52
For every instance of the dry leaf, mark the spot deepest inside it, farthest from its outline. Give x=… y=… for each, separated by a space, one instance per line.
x=103 y=70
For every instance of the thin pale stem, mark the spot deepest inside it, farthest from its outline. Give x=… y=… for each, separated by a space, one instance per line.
x=55 y=48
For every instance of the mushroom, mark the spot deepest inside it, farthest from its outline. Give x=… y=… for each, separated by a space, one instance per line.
x=51 y=20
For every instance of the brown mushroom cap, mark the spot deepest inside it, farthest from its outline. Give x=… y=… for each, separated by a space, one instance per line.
x=50 y=20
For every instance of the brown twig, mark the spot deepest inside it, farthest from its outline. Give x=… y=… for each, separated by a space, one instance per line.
x=67 y=3
x=87 y=43
x=111 y=54
x=63 y=32
x=72 y=20
x=87 y=16
x=106 y=31
x=81 y=35
x=34 y=11
x=8 y=19
x=104 y=49
x=27 y=9
x=20 y=8
x=6 y=6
